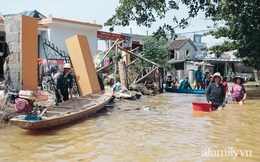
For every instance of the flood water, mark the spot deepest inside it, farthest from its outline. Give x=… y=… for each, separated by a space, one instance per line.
x=169 y=131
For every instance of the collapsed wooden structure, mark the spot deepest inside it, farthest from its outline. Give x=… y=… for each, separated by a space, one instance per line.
x=146 y=80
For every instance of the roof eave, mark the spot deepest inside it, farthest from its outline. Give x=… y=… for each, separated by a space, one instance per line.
x=42 y=27
x=52 y=20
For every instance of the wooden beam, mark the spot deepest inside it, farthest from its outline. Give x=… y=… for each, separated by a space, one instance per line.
x=131 y=51
x=140 y=57
x=116 y=42
x=100 y=69
x=102 y=52
x=152 y=72
x=135 y=60
x=122 y=73
x=138 y=75
x=81 y=58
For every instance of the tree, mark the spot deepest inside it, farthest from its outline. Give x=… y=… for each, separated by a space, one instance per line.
x=240 y=19
x=242 y=28
x=145 y=12
x=156 y=50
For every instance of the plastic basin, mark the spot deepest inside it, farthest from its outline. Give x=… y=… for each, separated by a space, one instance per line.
x=201 y=106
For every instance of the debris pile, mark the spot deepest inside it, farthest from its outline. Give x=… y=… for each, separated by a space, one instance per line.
x=131 y=81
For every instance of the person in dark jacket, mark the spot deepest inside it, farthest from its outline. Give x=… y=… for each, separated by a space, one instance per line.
x=169 y=82
x=65 y=83
x=216 y=92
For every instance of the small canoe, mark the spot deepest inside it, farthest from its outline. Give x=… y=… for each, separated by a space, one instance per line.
x=192 y=91
x=66 y=112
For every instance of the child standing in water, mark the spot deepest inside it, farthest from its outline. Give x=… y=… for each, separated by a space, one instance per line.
x=238 y=90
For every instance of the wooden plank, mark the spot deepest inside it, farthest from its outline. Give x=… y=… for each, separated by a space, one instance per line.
x=100 y=69
x=29 y=53
x=140 y=57
x=138 y=75
x=122 y=73
x=116 y=42
x=81 y=58
x=63 y=107
x=152 y=72
x=82 y=108
x=134 y=61
x=131 y=51
x=11 y=113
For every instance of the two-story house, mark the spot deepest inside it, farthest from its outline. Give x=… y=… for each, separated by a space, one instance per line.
x=182 y=49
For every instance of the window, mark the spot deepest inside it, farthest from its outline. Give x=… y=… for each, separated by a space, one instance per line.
x=197 y=38
x=187 y=54
x=1 y=47
x=2 y=38
x=171 y=54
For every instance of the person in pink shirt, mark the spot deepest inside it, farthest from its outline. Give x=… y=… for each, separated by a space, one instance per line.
x=238 y=90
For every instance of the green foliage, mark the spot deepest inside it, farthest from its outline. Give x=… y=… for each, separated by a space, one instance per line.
x=241 y=27
x=145 y=12
x=156 y=51
x=241 y=20
x=113 y=58
x=219 y=49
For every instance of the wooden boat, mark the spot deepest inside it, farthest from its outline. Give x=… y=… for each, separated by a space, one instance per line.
x=192 y=91
x=66 y=112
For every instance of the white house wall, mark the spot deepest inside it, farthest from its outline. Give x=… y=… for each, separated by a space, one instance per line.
x=140 y=40
x=58 y=34
x=178 y=54
x=2 y=27
x=43 y=34
x=182 y=51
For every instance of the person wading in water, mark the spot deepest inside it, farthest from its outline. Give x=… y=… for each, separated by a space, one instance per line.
x=238 y=90
x=197 y=78
x=216 y=92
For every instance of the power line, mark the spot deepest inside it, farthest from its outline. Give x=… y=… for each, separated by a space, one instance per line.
x=198 y=31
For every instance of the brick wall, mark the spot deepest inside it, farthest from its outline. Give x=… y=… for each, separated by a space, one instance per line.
x=13 y=39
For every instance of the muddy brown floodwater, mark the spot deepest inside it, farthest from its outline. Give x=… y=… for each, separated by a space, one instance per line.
x=164 y=129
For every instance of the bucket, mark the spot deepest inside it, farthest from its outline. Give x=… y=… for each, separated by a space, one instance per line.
x=201 y=106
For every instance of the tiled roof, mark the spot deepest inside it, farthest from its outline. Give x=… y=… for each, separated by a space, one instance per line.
x=178 y=43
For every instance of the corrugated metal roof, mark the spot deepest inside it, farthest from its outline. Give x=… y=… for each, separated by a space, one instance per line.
x=32 y=13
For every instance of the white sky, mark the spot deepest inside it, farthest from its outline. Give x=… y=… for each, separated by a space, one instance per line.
x=99 y=11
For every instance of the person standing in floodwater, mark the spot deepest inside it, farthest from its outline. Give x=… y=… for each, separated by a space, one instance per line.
x=205 y=79
x=216 y=93
x=238 y=90
x=197 y=78
x=225 y=84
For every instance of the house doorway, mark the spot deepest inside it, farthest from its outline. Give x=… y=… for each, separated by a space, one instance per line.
x=220 y=68
x=3 y=54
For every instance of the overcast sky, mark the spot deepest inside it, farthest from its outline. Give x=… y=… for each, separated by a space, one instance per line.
x=99 y=11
